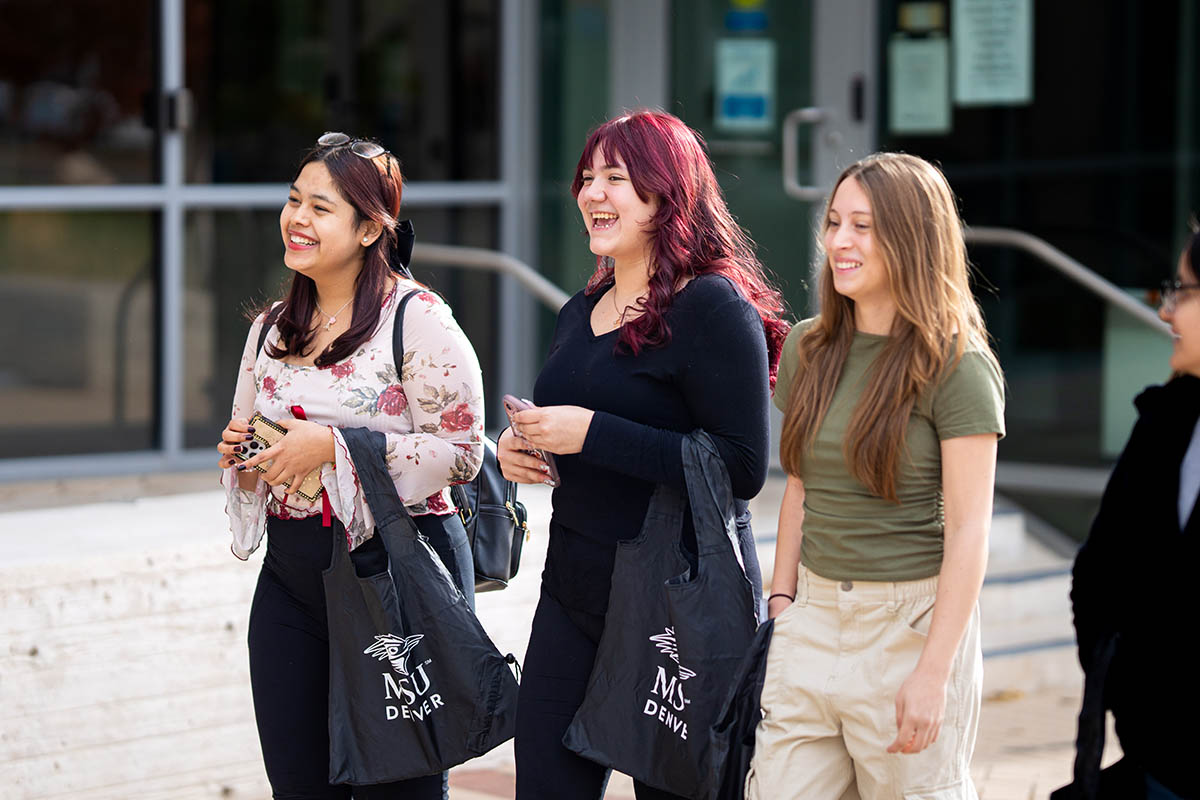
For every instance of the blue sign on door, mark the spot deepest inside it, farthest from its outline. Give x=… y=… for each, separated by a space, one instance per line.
x=745 y=85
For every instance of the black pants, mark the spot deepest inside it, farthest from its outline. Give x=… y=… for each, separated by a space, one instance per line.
x=289 y=655
x=558 y=662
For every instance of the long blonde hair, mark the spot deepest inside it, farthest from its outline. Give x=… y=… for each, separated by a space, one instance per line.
x=918 y=232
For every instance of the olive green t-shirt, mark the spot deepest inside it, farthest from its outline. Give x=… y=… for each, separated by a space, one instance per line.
x=851 y=534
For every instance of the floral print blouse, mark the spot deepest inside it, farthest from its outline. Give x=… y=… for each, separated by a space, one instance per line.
x=430 y=408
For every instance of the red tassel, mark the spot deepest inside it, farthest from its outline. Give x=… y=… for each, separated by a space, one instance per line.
x=326 y=509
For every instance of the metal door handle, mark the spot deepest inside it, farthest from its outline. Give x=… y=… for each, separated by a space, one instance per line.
x=791 y=138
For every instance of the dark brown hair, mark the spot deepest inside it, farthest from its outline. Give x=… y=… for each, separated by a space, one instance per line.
x=372 y=186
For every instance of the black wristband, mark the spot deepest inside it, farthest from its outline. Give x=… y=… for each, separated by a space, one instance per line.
x=781 y=594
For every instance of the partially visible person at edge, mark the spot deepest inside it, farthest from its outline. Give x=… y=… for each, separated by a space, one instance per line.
x=677 y=330
x=330 y=352
x=1133 y=576
x=893 y=406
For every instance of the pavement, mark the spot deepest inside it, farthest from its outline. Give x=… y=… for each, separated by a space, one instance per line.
x=1025 y=745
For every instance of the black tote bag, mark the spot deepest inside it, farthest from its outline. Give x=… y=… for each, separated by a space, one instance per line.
x=732 y=746
x=415 y=684
x=672 y=639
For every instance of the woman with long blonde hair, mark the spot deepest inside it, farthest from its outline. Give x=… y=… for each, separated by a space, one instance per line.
x=893 y=406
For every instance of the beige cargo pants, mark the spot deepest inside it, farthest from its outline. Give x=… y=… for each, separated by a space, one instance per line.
x=838 y=656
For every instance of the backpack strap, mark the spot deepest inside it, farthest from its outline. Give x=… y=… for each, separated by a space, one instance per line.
x=457 y=493
x=398 y=330
x=268 y=323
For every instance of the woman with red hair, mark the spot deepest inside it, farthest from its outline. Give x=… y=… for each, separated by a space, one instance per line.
x=677 y=330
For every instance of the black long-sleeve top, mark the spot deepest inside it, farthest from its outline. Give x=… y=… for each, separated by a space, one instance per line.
x=1135 y=577
x=712 y=375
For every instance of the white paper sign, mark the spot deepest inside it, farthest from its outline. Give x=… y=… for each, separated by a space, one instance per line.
x=919 y=86
x=993 y=52
x=745 y=85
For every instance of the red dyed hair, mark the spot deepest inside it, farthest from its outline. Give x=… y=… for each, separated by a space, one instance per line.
x=372 y=186
x=693 y=232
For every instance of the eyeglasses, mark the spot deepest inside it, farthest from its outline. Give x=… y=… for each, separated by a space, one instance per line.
x=1169 y=293
x=363 y=148
x=360 y=147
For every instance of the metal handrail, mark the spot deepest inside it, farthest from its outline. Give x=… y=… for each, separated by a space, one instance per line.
x=551 y=296
x=1061 y=478
x=1051 y=255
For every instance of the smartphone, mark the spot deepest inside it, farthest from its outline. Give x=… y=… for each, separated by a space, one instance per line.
x=511 y=406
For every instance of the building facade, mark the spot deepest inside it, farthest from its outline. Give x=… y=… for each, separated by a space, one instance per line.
x=144 y=156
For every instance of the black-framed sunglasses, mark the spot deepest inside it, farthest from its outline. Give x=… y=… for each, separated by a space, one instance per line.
x=360 y=147
x=363 y=148
x=1168 y=293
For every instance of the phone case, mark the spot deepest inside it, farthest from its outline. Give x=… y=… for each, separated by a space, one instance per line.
x=511 y=406
x=266 y=433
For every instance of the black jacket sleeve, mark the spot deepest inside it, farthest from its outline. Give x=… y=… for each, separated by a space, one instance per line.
x=1096 y=583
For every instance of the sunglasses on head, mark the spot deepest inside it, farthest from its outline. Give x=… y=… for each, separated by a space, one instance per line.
x=365 y=148
x=360 y=147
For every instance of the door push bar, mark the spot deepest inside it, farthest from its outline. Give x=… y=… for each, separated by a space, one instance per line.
x=791 y=140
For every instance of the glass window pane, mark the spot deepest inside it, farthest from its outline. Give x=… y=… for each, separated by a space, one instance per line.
x=80 y=291
x=235 y=266
x=74 y=83
x=1088 y=167
x=269 y=77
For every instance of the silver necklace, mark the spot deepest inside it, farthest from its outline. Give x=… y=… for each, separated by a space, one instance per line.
x=333 y=316
x=620 y=313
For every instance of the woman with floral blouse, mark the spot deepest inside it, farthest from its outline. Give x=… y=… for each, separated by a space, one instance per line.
x=327 y=363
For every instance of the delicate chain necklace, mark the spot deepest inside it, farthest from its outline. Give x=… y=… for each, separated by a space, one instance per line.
x=333 y=316
x=617 y=308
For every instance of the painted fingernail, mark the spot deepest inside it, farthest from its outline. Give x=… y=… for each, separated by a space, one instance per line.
x=247 y=437
x=240 y=448
x=544 y=468
x=251 y=429
x=241 y=467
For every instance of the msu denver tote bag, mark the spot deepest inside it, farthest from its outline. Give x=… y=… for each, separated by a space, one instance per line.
x=673 y=639
x=415 y=684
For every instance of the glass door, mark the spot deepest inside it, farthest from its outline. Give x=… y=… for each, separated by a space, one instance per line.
x=743 y=71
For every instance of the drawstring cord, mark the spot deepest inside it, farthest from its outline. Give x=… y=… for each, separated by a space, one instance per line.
x=511 y=659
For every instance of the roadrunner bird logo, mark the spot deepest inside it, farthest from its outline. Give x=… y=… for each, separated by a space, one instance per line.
x=395 y=649
x=666 y=701
x=666 y=645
